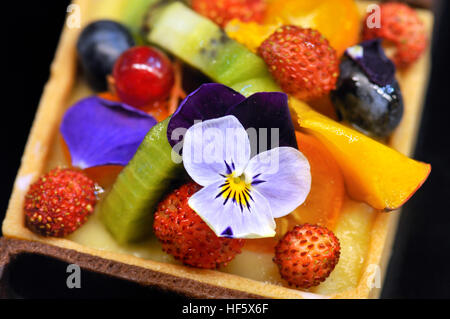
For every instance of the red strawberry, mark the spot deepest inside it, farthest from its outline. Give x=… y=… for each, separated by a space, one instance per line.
x=222 y=11
x=59 y=202
x=401 y=26
x=187 y=237
x=301 y=61
x=307 y=255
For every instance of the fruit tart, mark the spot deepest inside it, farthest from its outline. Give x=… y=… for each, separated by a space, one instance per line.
x=227 y=149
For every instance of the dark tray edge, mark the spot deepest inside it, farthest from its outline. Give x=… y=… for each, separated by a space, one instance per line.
x=10 y=247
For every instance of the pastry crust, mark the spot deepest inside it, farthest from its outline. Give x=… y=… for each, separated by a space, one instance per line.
x=189 y=281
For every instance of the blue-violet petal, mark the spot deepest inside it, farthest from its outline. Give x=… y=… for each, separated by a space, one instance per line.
x=101 y=132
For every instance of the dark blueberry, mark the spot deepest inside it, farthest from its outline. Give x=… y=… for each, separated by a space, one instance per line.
x=372 y=109
x=98 y=47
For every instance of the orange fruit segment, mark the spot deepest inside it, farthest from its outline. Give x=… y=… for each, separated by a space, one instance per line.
x=250 y=34
x=324 y=202
x=373 y=172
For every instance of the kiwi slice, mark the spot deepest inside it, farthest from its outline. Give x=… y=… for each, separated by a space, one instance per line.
x=127 y=210
x=205 y=46
x=133 y=16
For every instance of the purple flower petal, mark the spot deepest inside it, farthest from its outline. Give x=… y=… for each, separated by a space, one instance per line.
x=101 y=132
x=283 y=176
x=267 y=110
x=370 y=56
x=227 y=232
x=209 y=101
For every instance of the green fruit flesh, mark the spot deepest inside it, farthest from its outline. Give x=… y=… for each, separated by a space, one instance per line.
x=205 y=46
x=133 y=15
x=130 y=13
x=127 y=210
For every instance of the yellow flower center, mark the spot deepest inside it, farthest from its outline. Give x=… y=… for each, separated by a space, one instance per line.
x=237 y=190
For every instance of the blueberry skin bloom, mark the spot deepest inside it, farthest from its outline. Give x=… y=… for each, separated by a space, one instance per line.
x=98 y=47
x=370 y=108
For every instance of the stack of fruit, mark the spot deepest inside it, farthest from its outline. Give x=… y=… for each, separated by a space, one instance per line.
x=308 y=50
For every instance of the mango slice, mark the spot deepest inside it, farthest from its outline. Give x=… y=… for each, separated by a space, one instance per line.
x=373 y=172
x=324 y=202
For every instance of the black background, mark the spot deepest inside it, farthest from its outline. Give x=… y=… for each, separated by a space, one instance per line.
x=420 y=266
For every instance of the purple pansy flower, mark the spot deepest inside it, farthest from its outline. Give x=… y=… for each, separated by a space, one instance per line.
x=102 y=132
x=241 y=195
x=370 y=56
x=268 y=111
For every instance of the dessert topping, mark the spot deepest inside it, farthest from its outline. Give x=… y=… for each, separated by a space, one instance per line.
x=324 y=202
x=307 y=255
x=187 y=237
x=367 y=94
x=143 y=75
x=103 y=132
x=268 y=111
x=225 y=10
x=59 y=202
x=301 y=61
x=337 y=20
x=370 y=56
x=98 y=47
x=242 y=195
x=392 y=178
x=401 y=26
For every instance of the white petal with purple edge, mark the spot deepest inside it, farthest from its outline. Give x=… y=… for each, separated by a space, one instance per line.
x=282 y=176
x=228 y=219
x=215 y=147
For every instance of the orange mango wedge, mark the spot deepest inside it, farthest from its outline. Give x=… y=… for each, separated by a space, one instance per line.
x=373 y=172
x=324 y=202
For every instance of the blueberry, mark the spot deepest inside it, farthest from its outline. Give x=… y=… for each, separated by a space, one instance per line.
x=372 y=109
x=98 y=47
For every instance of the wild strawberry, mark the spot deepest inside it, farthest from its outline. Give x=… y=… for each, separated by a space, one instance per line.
x=222 y=11
x=402 y=27
x=59 y=202
x=187 y=237
x=301 y=61
x=307 y=255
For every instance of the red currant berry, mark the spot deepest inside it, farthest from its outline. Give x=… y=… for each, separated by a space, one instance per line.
x=142 y=76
